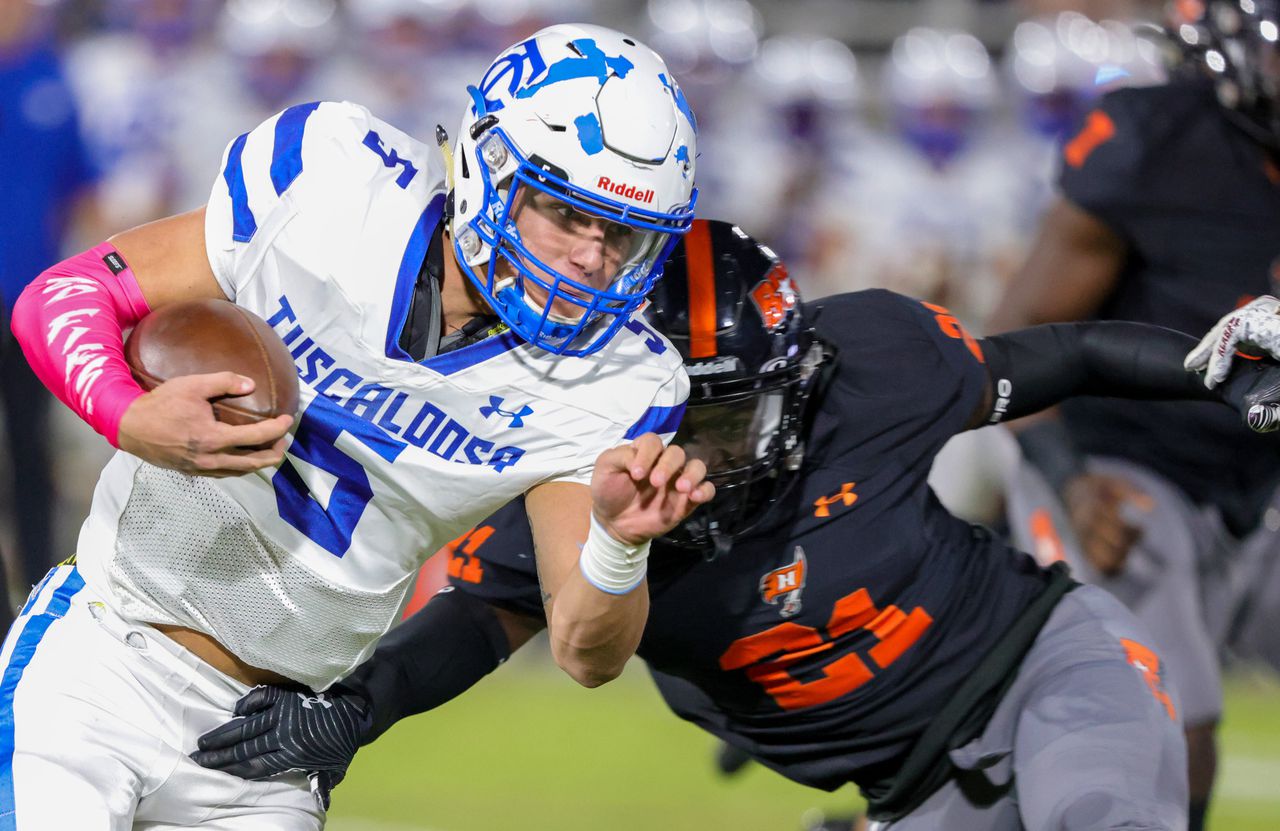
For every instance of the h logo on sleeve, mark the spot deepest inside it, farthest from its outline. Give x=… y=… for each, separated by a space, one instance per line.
x=785 y=584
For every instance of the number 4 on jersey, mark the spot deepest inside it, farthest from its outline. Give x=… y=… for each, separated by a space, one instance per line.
x=463 y=562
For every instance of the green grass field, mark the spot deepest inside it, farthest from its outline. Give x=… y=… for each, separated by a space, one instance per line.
x=529 y=750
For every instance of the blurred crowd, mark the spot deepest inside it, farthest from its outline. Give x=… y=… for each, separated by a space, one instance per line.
x=921 y=164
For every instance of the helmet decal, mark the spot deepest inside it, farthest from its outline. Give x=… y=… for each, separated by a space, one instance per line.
x=681 y=103
x=589 y=134
x=591 y=63
x=520 y=63
x=774 y=296
x=682 y=156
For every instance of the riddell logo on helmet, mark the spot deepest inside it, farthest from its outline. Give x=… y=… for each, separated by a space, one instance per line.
x=624 y=190
x=729 y=363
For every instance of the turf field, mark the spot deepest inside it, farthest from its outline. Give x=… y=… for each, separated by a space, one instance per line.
x=528 y=750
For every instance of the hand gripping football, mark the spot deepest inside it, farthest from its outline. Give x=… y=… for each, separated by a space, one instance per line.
x=202 y=336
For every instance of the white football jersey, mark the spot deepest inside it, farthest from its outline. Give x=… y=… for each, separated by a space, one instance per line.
x=319 y=223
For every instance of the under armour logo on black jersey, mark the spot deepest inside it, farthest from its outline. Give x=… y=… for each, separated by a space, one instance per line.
x=318 y=698
x=822 y=505
x=495 y=406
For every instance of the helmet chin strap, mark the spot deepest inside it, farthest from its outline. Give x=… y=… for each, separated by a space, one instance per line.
x=563 y=320
x=551 y=316
x=720 y=541
x=442 y=141
x=702 y=528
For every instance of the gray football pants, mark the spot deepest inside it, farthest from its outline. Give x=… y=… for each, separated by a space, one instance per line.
x=1176 y=580
x=1252 y=635
x=1087 y=737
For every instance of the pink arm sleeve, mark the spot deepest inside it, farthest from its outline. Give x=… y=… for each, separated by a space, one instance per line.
x=70 y=322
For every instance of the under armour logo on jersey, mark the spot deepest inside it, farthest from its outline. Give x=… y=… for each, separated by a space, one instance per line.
x=785 y=584
x=495 y=406
x=318 y=698
x=822 y=505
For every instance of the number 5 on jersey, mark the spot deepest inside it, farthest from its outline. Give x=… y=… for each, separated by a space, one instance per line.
x=315 y=442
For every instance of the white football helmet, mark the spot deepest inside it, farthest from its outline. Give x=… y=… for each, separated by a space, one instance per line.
x=590 y=122
x=940 y=85
x=1052 y=63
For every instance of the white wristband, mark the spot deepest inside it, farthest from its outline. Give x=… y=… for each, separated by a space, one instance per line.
x=611 y=566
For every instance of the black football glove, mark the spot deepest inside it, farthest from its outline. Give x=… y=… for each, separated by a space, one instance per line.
x=1253 y=388
x=281 y=729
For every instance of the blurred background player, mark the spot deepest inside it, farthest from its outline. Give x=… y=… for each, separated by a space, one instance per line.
x=713 y=44
x=139 y=81
x=796 y=124
x=166 y=80
x=276 y=54
x=708 y=43
x=50 y=181
x=1168 y=214
x=1050 y=66
x=927 y=210
x=798 y=105
x=409 y=60
x=1055 y=67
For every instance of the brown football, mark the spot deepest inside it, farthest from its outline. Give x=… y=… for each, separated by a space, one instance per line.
x=201 y=336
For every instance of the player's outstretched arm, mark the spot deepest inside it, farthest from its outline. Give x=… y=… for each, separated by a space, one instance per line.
x=70 y=322
x=592 y=547
x=1034 y=368
x=1031 y=369
x=431 y=658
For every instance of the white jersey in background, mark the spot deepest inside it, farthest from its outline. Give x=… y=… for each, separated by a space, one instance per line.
x=319 y=223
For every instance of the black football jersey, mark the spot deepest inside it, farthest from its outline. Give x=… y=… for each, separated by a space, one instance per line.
x=824 y=643
x=1198 y=204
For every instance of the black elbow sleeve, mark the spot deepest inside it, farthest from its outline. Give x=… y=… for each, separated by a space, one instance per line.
x=430 y=658
x=1035 y=368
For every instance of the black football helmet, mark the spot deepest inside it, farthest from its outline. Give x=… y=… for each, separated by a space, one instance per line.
x=728 y=305
x=1237 y=44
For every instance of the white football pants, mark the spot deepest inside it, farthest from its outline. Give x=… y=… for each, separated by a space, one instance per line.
x=97 y=716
